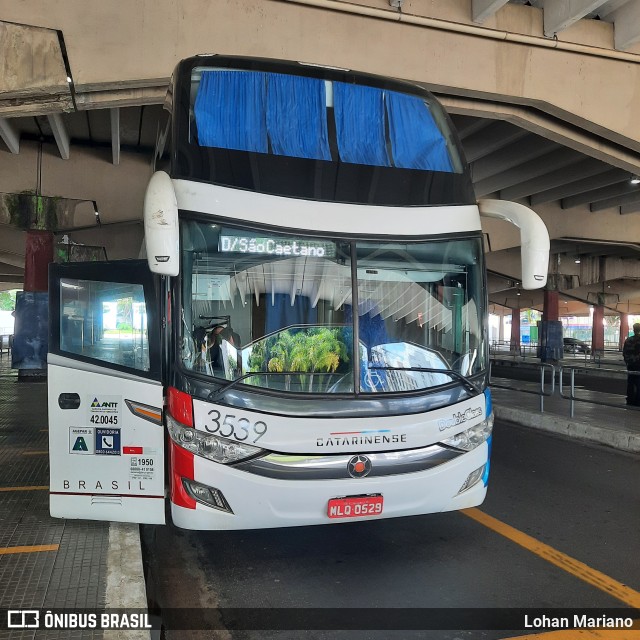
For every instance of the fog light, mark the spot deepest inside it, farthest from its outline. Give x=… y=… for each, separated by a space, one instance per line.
x=474 y=478
x=209 y=496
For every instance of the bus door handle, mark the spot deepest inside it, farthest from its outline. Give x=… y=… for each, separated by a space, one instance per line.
x=68 y=400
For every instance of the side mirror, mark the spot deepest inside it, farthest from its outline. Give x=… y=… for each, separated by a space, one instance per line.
x=534 y=238
x=161 y=229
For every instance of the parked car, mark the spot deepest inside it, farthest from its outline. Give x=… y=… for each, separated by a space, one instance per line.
x=573 y=345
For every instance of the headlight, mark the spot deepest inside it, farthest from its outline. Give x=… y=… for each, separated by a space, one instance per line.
x=209 y=446
x=471 y=438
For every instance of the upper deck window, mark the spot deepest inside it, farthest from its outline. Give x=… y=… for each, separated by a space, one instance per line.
x=295 y=116
x=297 y=131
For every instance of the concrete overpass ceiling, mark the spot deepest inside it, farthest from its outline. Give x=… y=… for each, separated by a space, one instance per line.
x=137 y=128
x=507 y=161
x=560 y=15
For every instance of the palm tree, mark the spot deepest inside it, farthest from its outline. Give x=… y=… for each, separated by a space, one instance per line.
x=281 y=353
x=321 y=350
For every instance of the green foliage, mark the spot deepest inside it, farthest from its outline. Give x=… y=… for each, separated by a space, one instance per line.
x=124 y=313
x=7 y=300
x=309 y=351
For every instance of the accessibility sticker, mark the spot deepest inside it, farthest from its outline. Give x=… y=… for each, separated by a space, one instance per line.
x=107 y=442
x=81 y=440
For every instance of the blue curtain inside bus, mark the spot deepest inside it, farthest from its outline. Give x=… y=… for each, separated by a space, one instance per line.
x=372 y=330
x=297 y=117
x=416 y=141
x=359 y=114
x=230 y=111
x=246 y=110
x=281 y=314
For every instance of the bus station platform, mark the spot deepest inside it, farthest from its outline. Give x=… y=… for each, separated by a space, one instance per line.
x=49 y=564
x=600 y=413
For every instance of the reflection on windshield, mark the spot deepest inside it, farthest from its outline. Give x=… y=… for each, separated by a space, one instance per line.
x=376 y=374
x=283 y=306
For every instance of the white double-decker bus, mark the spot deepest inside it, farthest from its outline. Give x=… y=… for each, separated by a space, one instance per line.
x=306 y=342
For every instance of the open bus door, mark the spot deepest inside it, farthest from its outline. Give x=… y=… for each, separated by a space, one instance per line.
x=106 y=435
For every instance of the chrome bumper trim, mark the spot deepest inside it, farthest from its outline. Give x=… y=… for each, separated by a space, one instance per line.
x=308 y=467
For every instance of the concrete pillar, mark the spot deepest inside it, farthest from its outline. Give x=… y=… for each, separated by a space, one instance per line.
x=30 y=340
x=597 y=329
x=515 y=330
x=38 y=256
x=624 y=329
x=551 y=301
x=501 y=327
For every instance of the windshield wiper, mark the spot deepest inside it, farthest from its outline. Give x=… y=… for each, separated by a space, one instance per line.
x=450 y=372
x=214 y=395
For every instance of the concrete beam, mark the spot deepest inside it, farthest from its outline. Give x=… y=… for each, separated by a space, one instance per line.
x=516 y=153
x=114 y=95
x=630 y=208
x=483 y=9
x=60 y=134
x=494 y=137
x=10 y=136
x=473 y=127
x=115 y=135
x=617 y=201
x=532 y=169
x=623 y=157
x=582 y=169
x=561 y=14
x=596 y=195
x=605 y=179
x=626 y=25
x=11 y=279
x=33 y=65
x=12 y=259
x=11 y=271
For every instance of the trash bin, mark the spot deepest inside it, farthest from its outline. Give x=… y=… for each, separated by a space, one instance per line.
x=550 y=346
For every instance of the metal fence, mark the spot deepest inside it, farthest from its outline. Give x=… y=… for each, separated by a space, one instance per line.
x=553 y=378
x=6 y=342
x=572 y=398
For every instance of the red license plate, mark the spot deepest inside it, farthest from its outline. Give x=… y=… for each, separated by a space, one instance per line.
x=355 y=506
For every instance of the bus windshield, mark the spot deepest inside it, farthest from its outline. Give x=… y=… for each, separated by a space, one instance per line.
x=282 y=308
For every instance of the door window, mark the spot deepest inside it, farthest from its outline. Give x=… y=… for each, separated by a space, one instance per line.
x=104 y=321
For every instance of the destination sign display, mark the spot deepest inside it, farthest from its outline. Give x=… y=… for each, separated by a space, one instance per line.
x=294 y=247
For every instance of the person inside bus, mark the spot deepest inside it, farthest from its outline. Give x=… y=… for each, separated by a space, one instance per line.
x=209 y=345
x=631 y=355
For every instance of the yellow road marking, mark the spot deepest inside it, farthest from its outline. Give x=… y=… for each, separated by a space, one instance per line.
x=33 y=549
x=35 y=453
x=567 y=563
x=583 y=634
x=44 y=488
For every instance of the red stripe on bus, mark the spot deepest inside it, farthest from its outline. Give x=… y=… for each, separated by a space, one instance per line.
x=181 y=466
x=132 y=450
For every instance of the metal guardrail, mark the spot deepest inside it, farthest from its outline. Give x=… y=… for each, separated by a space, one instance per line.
x=545 y=391
x=542 y=393
x=6 y=343
x=572 y=398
